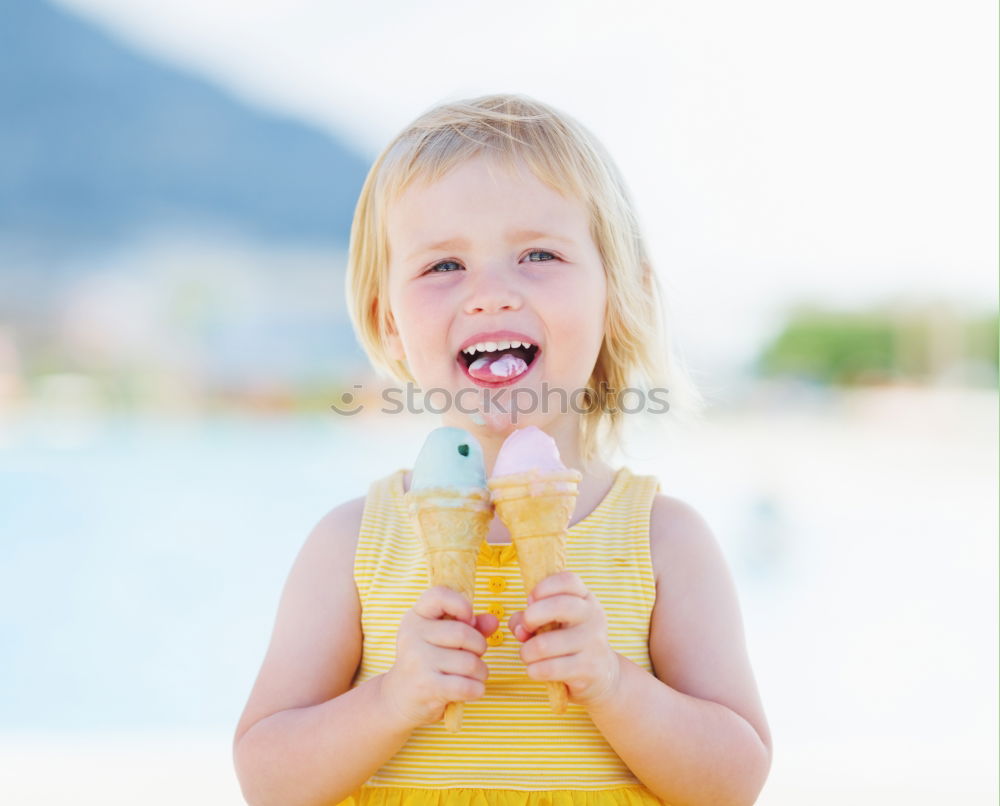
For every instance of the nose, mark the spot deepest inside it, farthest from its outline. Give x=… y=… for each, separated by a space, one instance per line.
x=493 y=291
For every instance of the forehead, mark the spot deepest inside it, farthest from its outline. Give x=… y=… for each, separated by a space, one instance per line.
x=481 y=195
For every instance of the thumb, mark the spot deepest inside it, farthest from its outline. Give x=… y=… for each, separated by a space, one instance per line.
x=487 y=623
x=517 y=628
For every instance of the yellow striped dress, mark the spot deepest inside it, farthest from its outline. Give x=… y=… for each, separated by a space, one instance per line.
x=512 y=750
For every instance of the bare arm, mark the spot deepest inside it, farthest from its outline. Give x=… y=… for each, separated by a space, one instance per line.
x=296 y=743
x=695 y=733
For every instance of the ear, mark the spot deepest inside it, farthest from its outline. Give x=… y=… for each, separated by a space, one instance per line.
x=393 y=342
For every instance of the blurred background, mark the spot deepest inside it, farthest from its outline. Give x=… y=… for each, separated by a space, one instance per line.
x=819 y=187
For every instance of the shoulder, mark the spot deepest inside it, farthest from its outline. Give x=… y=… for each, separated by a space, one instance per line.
x=333 y=539
x=680 y=539
x=327 y=553
x=338 y=529
x=689 y=565
x=328 y=550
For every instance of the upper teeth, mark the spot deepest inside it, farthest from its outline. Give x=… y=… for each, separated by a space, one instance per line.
x=490 y=346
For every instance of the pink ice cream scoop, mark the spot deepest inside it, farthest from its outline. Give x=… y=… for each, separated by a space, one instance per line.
x=525 y=449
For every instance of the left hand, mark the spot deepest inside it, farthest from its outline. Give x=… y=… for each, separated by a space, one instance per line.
x=577 y=652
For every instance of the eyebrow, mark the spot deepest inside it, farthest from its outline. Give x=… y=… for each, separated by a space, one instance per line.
x=512 y=236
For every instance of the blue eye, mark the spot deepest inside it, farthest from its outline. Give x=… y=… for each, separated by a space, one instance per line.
x=539 y=252
x=442 y=263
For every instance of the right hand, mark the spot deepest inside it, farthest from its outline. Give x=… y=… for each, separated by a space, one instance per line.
x=438 y=660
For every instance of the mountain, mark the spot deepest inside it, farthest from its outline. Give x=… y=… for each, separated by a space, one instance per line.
x=101 y=144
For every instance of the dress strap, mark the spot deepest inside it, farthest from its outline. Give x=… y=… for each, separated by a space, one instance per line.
x=384 y=515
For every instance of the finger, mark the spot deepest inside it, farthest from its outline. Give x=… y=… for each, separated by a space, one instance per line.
x=565 y=582
x=563 y=609
x=458 y=688
x=439 y=601
x=564 y=668
x=487 y=623
x=448 y=634
x=463 y=664
x=553 y=644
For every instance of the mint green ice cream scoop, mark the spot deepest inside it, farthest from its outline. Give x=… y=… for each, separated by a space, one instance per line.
x=450 y=457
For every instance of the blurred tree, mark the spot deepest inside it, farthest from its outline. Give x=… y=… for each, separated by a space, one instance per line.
x=881 y=344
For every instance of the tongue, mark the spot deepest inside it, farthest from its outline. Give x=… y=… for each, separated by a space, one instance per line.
x=497 y=367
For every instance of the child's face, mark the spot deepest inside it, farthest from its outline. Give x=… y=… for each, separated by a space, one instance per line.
x=549 y=288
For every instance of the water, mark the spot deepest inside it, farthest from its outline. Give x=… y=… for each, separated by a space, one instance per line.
x=142 y=563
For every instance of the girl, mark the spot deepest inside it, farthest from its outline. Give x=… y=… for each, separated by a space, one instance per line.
x=497 y=233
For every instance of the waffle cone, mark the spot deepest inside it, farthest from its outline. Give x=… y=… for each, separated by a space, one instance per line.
x=451 y=524
x=536 y=508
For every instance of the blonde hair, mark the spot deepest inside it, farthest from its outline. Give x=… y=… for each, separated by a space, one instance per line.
x=568 y=158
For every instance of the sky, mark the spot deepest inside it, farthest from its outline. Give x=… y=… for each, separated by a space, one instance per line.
x=777 y=151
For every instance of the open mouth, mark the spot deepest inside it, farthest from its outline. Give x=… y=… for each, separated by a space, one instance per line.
x=497 y=363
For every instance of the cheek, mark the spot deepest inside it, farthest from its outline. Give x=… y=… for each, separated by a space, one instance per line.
x=416 y=309
x=422 y=325
x=581 y=309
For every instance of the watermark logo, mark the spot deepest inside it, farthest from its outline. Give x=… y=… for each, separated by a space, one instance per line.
x=515 y=402
x=349 y=403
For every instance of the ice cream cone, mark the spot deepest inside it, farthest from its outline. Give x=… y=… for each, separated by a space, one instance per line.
x=451 y=524
x=536 y=507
